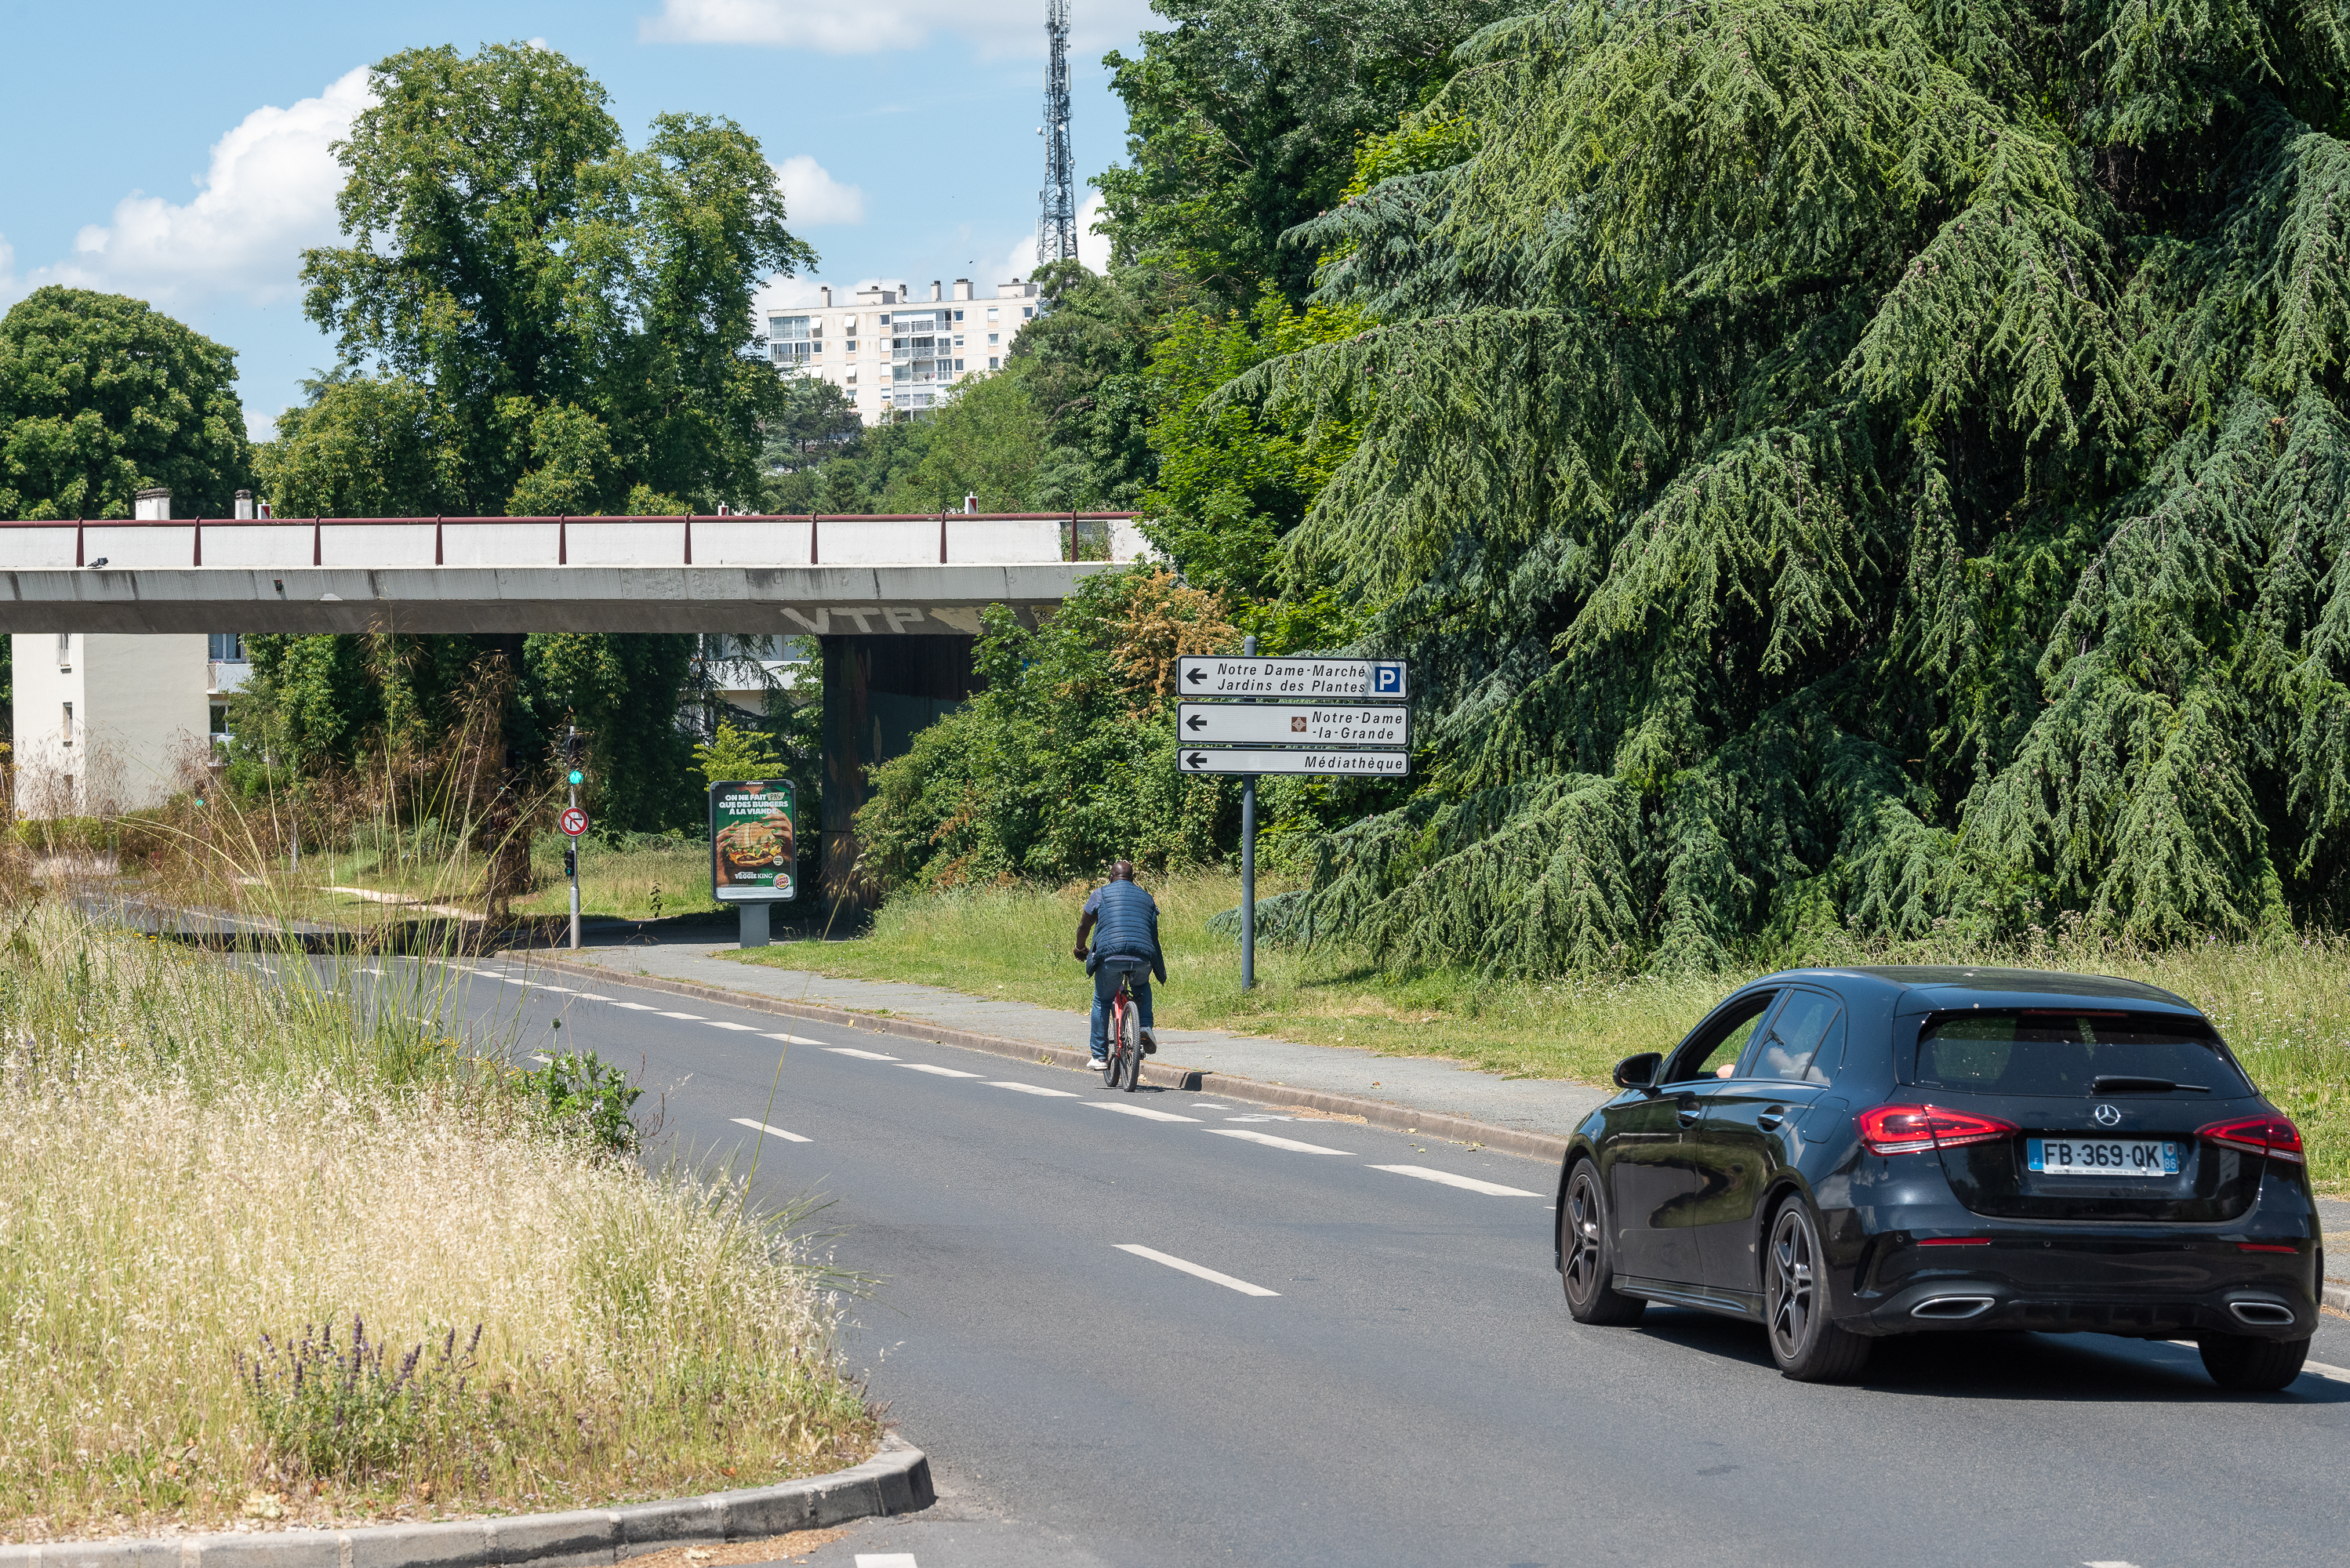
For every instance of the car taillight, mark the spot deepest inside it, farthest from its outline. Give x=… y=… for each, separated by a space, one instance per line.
x=2269 y=1134
x=1906 y=1129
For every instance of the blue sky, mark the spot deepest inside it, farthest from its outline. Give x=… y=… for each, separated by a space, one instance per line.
x=179 y=154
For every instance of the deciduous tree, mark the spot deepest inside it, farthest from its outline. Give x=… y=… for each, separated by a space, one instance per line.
x=101 y=396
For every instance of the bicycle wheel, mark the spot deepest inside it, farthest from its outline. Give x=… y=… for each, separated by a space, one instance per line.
x=1117 y=1036
x=1130 y=1049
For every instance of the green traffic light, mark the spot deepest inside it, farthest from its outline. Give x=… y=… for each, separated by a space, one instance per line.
x=578 y=777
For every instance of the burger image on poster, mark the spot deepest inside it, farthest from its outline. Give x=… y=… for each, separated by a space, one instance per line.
x=751 y=834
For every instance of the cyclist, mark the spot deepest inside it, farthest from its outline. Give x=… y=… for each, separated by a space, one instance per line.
x=1123 y=920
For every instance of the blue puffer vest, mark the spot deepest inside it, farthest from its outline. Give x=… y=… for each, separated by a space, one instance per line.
x=1125 y=925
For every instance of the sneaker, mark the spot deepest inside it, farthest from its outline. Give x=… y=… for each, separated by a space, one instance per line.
x=1149 y=1047
x=1100 y=1064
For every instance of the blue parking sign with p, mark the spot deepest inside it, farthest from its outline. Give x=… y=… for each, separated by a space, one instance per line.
x=1386 y=679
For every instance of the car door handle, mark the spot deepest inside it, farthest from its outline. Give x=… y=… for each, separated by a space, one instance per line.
x=1688 y=1113
x=1770 y=1120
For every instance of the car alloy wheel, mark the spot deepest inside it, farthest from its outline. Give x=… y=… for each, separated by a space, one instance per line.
x=1807 y=1346
x=1583 y=1255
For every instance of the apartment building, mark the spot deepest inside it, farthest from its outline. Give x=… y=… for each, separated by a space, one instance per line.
x=893 y=353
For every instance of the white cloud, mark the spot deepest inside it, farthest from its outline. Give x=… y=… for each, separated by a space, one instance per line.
x=870 y=27
x=1092 y=249
x=813 y=198
x=269 y=192
x=9 y=288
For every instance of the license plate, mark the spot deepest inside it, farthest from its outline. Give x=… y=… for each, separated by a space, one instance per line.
x=2101 y=1157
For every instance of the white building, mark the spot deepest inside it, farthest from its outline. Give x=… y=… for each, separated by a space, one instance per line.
x=890 y=351
x=105 y=721
x=108 y=722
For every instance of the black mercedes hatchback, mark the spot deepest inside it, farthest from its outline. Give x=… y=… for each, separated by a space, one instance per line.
x=1843 y=1154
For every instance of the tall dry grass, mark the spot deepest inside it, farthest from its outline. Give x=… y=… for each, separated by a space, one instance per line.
x=201 y=1155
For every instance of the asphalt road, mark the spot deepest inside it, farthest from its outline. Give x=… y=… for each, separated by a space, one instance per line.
x=1378 y=1366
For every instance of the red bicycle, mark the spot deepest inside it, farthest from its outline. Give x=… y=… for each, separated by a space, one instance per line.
x=1123 y=1068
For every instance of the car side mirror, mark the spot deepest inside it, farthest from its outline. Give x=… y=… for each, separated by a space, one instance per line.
x=1638 y=1072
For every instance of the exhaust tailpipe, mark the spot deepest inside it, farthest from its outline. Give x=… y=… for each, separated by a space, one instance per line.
x=1951 y=1309
x=2261 y=1314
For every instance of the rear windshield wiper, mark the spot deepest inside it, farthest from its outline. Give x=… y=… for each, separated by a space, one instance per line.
x=2125 y=1083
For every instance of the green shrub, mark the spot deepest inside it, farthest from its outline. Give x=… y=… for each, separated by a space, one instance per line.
x=589 y=1097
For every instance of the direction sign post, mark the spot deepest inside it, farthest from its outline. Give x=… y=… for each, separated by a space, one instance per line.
x=1349 y=725
x=1333 y=717
x=1293 y=679
x=1251 y=761
x=1248 y=858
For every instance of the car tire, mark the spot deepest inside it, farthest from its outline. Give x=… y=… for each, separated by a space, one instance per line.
x=1587 y=1260
x=2243 y=1366
x=1807 y=1347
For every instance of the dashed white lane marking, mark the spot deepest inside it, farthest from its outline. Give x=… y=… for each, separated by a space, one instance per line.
x=1272 y=1142
x=1034 y=1089
x=804 y=1040
x=1210 y=1276
x=591 y=996
x=837 y=1050
x=771 y=1132
x=721 y=1023
x=689 y=1017
x=1469 y=1183
x=1124 y=1109
x=886 y=1559
x=637 y=1006
x=940 y=1072
x=564 y=989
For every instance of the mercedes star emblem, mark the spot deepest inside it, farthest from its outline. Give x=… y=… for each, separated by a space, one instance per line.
x=2108 y=1116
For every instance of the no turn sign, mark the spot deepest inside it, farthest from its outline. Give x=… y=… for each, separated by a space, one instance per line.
x=575 y=821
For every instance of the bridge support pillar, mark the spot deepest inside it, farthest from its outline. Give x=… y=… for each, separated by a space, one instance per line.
x=878 y=693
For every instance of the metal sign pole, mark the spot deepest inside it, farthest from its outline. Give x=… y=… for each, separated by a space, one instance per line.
x=571 y=749
x=1248 y=865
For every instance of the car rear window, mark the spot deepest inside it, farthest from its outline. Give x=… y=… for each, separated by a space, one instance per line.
x=2059 y=1052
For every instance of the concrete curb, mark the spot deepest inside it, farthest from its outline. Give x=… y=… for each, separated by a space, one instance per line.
x=2337 y=1296
x=1377 y=1113
x=896 y=1479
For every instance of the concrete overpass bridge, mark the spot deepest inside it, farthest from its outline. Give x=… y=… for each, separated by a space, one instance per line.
x=812 y=575
x=117 y=610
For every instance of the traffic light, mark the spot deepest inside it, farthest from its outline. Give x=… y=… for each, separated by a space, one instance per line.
x=574 y=747
x=570 y=860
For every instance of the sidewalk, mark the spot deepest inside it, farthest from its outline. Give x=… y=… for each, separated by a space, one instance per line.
x=1427 y=1093
x=1421 y=1091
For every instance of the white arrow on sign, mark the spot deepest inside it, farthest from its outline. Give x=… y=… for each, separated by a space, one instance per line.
x=1303 y=679
x=1259 y=760
x=1319 y=724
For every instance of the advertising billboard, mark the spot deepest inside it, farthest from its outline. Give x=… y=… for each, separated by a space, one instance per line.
x=753 y=851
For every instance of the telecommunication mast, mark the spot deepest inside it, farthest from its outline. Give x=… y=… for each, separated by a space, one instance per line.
x=1056 y=224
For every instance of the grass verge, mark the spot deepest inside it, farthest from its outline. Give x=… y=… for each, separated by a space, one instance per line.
x=2283 y=1006
x=213 y=1173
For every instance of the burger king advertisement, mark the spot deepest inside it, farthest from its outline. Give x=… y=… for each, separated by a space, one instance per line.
x=753 y=852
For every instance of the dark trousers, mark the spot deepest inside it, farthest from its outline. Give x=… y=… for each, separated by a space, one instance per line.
x=1106 y=987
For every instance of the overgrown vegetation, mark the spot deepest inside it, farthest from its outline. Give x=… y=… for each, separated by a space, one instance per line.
x=1855 y=472
x=209 y=1155
x=1065 y=758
